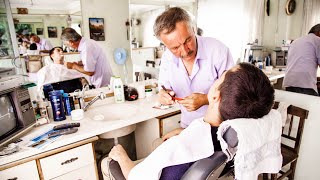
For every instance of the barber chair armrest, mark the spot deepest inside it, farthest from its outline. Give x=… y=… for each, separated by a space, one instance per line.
x=211 y=166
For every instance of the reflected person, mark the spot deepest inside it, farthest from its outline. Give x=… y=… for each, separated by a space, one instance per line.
x=94 y=62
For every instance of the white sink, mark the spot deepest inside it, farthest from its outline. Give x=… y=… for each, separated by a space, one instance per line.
x=113 y=112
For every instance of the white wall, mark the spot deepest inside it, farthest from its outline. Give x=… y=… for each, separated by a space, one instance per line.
x=115 y=14
x=280 y=26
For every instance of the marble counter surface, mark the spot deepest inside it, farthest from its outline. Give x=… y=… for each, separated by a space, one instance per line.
x=89 y=128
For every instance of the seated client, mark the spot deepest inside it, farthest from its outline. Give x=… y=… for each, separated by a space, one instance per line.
x=242 y=92
x=58 y=75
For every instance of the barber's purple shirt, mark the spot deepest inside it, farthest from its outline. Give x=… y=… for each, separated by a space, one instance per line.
x=212 y=59
x=303 y=61
x=94 y=60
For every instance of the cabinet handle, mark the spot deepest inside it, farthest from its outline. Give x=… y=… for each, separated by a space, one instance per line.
x=15 y=178
x=69 y=161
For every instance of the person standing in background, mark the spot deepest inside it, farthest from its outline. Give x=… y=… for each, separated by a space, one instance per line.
x=93 y=63
x=303 y=62
x=189 y=66
x=43 y=45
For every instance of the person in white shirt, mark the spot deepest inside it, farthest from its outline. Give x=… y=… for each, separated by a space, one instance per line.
x=43 y=45
x=94 y=61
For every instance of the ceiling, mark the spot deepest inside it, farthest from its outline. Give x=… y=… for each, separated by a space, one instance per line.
x=70 y=6
x=73 y=6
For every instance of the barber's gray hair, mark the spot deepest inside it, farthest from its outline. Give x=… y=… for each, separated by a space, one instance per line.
x=315 y=29
x=70 y=34
x=166 y=22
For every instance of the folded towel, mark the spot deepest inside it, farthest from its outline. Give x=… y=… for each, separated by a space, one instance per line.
x=192 y=144
x=282 y=108
x=259 y=145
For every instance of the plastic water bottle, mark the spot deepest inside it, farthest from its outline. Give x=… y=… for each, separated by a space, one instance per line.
x=118 y=90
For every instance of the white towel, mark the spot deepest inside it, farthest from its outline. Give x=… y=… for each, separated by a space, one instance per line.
x=259 y=145
x=282 y=108
x=192 y=144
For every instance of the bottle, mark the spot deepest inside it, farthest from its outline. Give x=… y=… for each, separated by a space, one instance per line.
x=67 y=103
x=118 y=90
x=57 y=105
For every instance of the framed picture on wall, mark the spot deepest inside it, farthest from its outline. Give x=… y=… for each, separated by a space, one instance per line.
x=52 y=32
x=24 y=28
x=96 y=29
x=39 y=31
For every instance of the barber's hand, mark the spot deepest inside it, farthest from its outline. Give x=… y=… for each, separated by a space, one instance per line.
x=165 y=97
x=117 y=153
x=194 y=101
x=172 y=133
x=69 y=65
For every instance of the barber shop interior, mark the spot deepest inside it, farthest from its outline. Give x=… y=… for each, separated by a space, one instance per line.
x=159 y=89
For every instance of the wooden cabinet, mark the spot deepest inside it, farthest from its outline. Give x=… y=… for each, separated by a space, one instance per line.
x=23 y=171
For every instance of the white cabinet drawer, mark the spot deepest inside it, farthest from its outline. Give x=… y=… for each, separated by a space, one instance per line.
x=67 y=161
x=85 y=173
x=23 y=171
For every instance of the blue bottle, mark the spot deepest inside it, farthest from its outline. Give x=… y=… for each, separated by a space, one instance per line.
x=46 y=89
x=57 y=105
x=68 y=103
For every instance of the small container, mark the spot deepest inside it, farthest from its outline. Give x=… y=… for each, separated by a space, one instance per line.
x=148 y=92
x=118 y=90
x=57 y=105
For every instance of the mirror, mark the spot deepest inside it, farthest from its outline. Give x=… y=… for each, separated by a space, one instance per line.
x=146 y=49
x=47 y=19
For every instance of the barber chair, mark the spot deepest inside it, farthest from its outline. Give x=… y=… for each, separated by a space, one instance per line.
x=209 y=168
x=215 y=166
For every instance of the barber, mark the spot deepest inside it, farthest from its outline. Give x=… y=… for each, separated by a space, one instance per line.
x=303 y=63
x=94 y=61
x=189 y=66
x=43 y=45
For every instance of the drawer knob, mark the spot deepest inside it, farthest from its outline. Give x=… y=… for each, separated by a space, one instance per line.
x=15 y=178
x=69 y=161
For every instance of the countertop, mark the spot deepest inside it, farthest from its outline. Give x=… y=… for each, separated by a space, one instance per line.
x=89 y=128
x=274 y=74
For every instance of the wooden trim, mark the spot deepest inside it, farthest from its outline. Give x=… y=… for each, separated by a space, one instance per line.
x=169 y=114
x=49 y=153
x=39 y=169
x=95 y=162
x=160 y=119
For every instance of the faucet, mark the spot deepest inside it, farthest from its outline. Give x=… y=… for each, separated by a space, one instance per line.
x=100 y=96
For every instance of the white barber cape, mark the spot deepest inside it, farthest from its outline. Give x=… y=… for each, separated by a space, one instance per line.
x=259 y=145
x=53 y=73
x=192 y=144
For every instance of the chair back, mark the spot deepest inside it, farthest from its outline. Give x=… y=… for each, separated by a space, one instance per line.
x=293 y=130
x=210 y=168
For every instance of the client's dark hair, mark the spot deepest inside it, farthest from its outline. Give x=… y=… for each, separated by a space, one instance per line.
x=246 y=92
x=52 y=50
x=33 y=46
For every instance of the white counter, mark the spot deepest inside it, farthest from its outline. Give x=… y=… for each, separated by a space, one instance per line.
x=90 y=128
x=274 y=74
